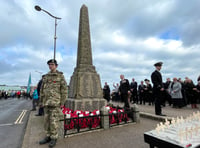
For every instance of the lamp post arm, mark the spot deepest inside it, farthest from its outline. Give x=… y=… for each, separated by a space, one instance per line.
x=38 y=8
x=50 y=14
x=54 y=55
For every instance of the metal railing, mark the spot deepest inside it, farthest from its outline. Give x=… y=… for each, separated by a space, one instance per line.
x=79 y=124
x=120 y=118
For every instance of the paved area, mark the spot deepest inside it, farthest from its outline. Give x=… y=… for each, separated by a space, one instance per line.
x=127 y=136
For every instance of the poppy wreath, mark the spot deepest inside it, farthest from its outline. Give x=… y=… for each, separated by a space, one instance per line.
x=96 y=120
x=120 y=115
x=115 y=116
x=81 y=122
x=112 y=117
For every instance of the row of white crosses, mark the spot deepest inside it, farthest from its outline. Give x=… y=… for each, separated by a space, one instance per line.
x=162 y=127
x=185 y=129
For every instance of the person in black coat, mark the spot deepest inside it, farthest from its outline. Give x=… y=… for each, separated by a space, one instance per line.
x=141 y=92
x=167 y=96
x=106 y=92
x=158 y=88
x=190 y=91
x=41 y=109
x=124 y=91
x=133 y=87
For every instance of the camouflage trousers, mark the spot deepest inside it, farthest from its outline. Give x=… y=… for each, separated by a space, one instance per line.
x=52 y=115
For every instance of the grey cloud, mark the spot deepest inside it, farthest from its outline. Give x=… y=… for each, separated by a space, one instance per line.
x=31 y=33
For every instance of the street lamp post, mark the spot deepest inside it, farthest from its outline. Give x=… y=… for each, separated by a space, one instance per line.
x=39 y=73
x=38 y=8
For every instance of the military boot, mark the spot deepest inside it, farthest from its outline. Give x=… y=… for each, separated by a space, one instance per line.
x=52 y=143
x=45 y=140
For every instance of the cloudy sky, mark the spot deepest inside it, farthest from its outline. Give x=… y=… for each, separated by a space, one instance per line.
x=127 y=37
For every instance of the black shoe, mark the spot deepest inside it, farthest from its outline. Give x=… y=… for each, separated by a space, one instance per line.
x=45 y=140
x=38 y=115
x=52 y=143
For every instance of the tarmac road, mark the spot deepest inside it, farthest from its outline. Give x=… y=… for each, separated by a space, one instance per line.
x=14 y=115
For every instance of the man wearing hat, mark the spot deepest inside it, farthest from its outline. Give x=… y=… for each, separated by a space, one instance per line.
x=53 y=95
x=158 y=88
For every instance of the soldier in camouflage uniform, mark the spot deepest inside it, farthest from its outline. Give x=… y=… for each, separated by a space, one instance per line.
x=53 y=95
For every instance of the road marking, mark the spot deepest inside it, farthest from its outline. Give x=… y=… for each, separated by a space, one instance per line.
x=20 y=118
x=6 y=124
x=20 y=121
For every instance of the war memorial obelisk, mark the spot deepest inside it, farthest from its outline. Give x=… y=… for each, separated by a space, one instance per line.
x=85 y=92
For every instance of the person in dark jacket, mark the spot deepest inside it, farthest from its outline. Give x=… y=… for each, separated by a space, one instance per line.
x=183 y=92
x=41 y=109
x=124 y=91
x=133 y=87
x=167 y=96
x=106 y=92
x=190 y=91
x=141 y=92
x=158 y=88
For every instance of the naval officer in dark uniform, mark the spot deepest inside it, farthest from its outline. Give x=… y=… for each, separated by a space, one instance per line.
x=158 y=88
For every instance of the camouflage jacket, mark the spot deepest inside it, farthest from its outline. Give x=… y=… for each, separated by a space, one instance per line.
x=53 y=91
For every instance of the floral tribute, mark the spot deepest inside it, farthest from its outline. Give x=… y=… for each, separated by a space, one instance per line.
x=86 y=119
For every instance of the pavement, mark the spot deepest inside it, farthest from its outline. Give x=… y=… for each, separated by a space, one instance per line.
x=127 y=136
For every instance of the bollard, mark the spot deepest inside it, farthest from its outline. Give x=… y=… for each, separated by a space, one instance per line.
x=104 y=118
x=136 y=113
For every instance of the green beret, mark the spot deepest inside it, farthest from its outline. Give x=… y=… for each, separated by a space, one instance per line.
x=52 y=61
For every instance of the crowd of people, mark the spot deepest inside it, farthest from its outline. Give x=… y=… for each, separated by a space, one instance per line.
x=177 y=92
x=22 y=94
x=4 y=94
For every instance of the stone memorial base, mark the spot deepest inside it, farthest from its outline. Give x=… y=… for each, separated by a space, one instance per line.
x=85 y=104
